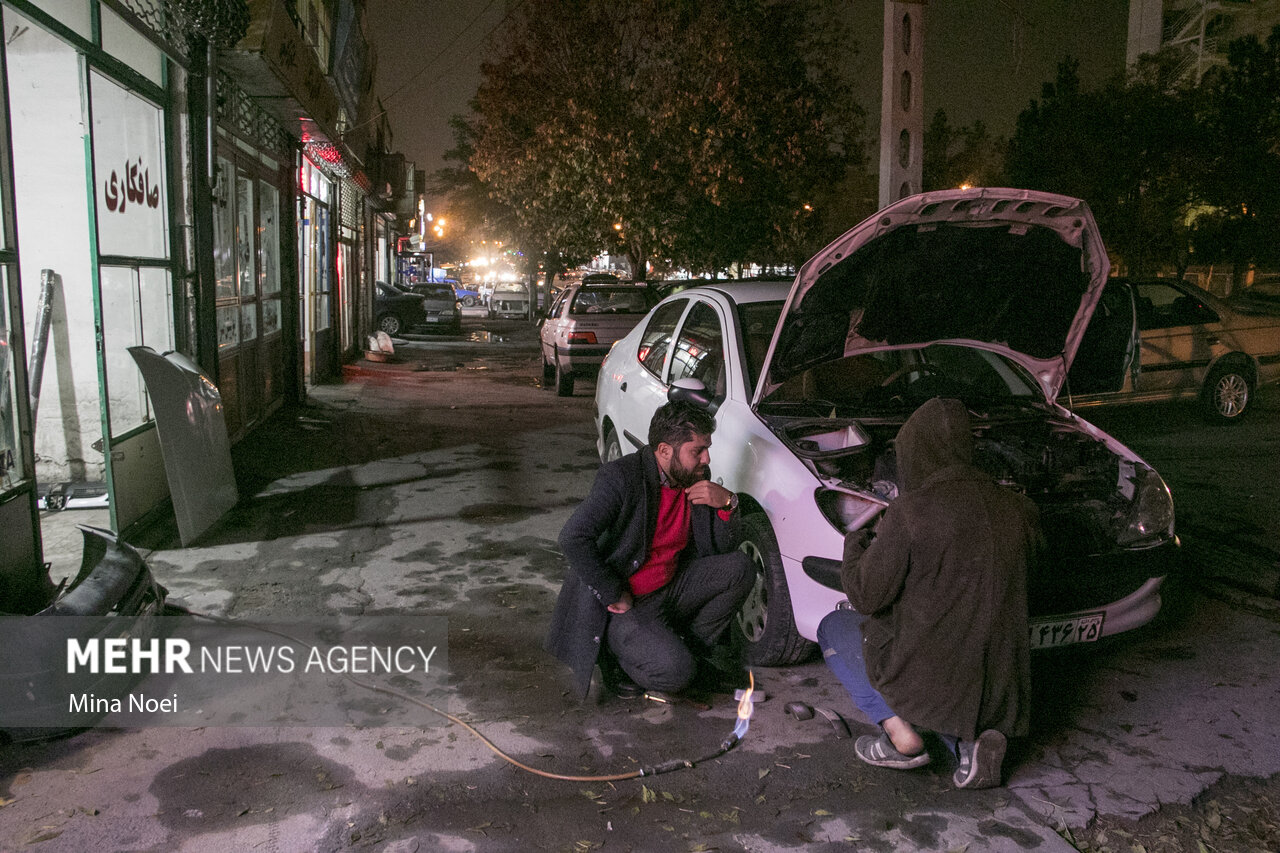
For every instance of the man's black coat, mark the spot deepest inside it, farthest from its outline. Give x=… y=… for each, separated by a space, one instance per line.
x=605 y=541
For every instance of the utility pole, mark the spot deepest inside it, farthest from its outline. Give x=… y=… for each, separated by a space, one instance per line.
x=901 y=100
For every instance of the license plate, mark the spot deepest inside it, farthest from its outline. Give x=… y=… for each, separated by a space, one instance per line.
x=1085 y=628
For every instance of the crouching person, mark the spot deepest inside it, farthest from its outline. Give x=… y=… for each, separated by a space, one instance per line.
x=938 y=636
x=654 y=576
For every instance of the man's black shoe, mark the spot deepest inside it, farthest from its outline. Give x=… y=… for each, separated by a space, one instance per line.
x=616 y=681
x=715 y=679
x=625 y=688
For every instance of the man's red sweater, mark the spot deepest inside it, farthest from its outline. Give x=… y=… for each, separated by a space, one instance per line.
x=669 y=538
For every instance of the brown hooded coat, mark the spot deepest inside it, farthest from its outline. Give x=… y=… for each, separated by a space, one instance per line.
x=944 y=585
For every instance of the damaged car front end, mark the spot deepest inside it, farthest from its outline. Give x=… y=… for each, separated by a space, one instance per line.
x=981 y=295
x=113 y=597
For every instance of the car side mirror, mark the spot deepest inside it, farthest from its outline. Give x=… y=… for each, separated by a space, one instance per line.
x=692 y=391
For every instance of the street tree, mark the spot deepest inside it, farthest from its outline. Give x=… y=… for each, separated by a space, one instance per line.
x=1130 y=148
x=1241 y=183
x=955 y=156
x=691 y=133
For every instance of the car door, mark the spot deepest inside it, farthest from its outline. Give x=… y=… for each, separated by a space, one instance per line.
x=643 y=380
x=1179 y=338
x=699 y=351
x=1106 y=364
x=551 y=325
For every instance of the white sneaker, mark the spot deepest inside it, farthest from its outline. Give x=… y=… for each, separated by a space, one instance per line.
x=980 y=761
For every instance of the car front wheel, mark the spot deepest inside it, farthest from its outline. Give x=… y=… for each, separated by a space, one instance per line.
x=389 y=323
x=766 y=623
x=1227 y=393
x=612 y=446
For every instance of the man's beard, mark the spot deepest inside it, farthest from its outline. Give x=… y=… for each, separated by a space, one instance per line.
x=682 y=477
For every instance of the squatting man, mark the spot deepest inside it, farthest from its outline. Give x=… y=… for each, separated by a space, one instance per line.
x=655 y=575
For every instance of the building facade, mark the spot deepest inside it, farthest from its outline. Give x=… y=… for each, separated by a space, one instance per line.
x=206 y=176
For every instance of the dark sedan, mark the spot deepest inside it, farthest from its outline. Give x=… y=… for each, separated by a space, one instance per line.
x=395 y=310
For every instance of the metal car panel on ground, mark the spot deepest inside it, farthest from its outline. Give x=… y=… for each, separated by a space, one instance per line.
x=193 y=439
x=113 y=596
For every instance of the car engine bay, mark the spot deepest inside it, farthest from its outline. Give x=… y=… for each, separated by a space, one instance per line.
x=1084 y=491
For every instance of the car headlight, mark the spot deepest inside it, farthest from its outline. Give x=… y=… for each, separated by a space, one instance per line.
x=846 y=511
x=1150 y=514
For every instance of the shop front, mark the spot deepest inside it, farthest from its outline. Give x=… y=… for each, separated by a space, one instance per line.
x=252 y=257
x=87 y=259
x=316 y=267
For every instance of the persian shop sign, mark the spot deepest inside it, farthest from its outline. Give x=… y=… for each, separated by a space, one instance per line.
x=131 y=185
x=130 y=173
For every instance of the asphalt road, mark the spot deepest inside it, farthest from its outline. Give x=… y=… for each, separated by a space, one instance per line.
x=432 y=490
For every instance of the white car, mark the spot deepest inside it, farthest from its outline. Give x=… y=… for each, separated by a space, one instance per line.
x=977 y=294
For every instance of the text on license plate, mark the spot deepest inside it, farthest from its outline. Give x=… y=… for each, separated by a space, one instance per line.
x=1085 y=628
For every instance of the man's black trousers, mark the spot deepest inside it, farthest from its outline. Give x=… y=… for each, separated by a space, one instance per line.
x=652 y=641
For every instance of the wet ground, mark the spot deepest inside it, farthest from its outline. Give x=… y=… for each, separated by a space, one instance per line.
x=433 y=488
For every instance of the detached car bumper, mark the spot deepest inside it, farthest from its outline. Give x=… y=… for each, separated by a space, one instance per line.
x=113 y=596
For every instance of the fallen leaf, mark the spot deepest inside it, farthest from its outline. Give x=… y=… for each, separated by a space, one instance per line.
x=762 y=772
x=4 y=801
x=821 y=813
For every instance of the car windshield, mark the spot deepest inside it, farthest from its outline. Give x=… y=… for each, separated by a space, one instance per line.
x=610 y=300
x=893 y=382
x=438 y=291
x=757 y=320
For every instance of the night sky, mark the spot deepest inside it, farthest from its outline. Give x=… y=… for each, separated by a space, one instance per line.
x=984 y=59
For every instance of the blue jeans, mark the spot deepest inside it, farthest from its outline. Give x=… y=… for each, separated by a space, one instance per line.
x=840 y=638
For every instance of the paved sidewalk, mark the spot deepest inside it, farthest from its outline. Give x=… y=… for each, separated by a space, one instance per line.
x=434 y=489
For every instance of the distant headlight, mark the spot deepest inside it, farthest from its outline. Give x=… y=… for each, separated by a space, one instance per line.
x=846 y=511
x=1151 y=513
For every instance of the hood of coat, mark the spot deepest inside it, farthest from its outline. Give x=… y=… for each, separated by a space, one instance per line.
x=1016 y=270
x=936 y=436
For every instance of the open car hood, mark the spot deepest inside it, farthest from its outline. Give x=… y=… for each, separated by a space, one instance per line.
x=1017 y=269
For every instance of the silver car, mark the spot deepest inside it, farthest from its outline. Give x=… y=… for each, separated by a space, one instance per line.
x=582 y=324
x=1164 y=339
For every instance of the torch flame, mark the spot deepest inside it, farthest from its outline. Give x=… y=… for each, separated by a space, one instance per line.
x=745 y=707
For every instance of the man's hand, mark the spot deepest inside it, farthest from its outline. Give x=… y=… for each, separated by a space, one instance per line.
x=622 y=605
x=709 y=494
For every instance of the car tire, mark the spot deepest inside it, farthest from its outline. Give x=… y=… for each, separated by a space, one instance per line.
x=612 y=446
x=389 y=323
x=1227 y=393
x=469 y=301
x=548 y=372
x=564 y=378
x=766 y=626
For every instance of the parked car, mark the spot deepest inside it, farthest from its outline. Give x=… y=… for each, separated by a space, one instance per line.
x=581 y=325
x=1164 y=339
x=395 y=309
x=979 y=294
x=440 y=306
x=510 y=300
x=465 y=293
